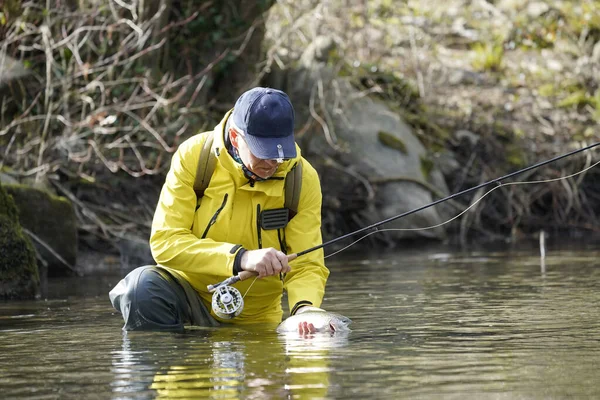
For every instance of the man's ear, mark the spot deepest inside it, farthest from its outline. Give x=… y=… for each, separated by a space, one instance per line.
x=233 y=136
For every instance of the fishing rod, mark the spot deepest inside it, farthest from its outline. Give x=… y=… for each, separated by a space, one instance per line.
x=248 y=274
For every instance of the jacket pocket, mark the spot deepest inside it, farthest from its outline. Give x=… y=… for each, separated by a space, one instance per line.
x=214 y=217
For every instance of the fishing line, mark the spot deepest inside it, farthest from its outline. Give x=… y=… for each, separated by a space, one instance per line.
x=249 y=287
x=458 y=215
x=462 y=212
x=247 y=274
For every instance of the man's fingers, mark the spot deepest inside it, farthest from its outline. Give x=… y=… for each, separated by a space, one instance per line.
x=278 y=261
x=274 y=263
x=269 y=270
x=285 y=266
x=305 y=328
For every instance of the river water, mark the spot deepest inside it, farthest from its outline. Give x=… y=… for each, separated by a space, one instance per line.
x=431 y=323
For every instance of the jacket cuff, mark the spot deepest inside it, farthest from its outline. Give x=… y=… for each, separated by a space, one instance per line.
x=237 y=261
x=300 y=304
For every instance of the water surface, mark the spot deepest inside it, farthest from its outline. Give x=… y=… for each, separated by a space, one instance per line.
x=427 y=324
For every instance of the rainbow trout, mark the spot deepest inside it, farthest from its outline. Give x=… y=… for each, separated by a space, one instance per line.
x=324 y=321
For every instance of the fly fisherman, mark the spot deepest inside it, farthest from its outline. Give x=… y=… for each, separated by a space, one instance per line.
x=199 y=239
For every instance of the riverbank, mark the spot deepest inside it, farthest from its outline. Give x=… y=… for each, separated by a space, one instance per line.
x=487 y=87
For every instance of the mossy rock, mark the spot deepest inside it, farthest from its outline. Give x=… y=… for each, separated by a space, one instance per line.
x=18 y=267
x=51 y=219
x=7 y=207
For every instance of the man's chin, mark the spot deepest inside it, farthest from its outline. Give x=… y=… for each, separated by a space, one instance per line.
x=265 y=174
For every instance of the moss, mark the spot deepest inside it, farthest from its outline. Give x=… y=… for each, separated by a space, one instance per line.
x=426 y=121
x=547 y=90
x=7 y=207
x=393 y=88
x=516 y=156
x=392 y=141
x=503 y=130
x=18 y=267
x=426 y=166
x=520 y=133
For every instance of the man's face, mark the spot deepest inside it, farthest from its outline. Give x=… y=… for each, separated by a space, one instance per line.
x=263 y=168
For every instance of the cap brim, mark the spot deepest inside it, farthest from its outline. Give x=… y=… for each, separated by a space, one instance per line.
x=267 y=147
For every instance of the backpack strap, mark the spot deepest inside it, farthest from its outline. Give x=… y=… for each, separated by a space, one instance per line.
x=293 y=185
x=206 y=166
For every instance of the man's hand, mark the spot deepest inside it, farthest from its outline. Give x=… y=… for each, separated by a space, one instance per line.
x=306 y=328
x=265 y=262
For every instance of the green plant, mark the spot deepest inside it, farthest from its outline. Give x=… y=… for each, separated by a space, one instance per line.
x=488 y=56
x=575 y=99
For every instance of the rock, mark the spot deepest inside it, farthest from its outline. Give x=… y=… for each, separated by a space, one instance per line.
x=52 y=220
x=374 y=143
x=19 y=278
x=405 y=180
x=370 y=162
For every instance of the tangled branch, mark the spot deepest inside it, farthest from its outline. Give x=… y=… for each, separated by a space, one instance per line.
x=93 y=97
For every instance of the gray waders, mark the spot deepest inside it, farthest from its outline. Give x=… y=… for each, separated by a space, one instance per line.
x=151 y=298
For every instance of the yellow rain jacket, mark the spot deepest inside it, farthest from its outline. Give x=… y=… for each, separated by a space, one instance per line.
x=197 y=239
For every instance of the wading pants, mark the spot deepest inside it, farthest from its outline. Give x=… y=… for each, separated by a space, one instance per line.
x=150 y=298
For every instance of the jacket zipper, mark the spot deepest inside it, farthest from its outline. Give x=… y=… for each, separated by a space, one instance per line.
x=258 y=227
x=214 y=217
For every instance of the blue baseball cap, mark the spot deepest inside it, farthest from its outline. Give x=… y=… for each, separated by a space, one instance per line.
x=266 y=118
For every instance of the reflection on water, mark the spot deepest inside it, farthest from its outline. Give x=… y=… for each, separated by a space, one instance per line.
x=434 y=324
x=222 y=363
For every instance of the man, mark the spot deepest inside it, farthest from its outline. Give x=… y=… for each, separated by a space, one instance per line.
x=202 y=241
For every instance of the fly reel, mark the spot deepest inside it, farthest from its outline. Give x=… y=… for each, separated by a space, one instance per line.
x=227 y=302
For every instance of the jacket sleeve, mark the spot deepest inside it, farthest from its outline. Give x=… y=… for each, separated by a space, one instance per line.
x=305 y=283
x=171 y=241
